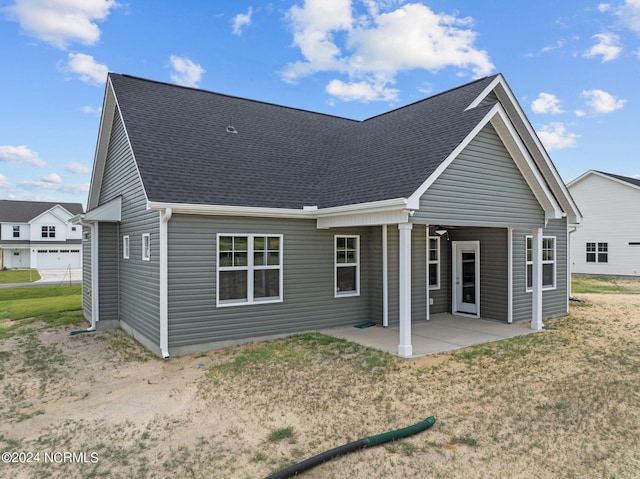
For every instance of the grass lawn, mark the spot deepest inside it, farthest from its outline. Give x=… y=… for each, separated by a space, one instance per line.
x=52 y=304
x=581 y=284
x=18 y=276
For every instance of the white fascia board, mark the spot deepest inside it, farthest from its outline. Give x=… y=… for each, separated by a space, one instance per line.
x=226 y=210
x=580 y=178
x=414 y=199
x=52 y=212
x=525 y=164
x=606 y=177
x=498 y=80
x=366 y=208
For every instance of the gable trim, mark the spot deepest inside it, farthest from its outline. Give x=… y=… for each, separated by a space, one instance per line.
x=601 y=175
x=497 y=116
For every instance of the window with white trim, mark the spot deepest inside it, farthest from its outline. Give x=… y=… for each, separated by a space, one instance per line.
x=248 y=269
x=433 y=262
x=597 y=252
x=146 y=247
x=347 y=265
x=125 y=246
x=548 y=262
x=16 y=231
x=48 y=231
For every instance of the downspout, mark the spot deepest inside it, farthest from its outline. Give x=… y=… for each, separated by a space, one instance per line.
x=165 y=216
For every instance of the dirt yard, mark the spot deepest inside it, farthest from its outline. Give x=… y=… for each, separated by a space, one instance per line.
x=562 y=403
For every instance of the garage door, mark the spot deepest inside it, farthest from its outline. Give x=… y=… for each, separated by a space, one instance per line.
x=59 y=258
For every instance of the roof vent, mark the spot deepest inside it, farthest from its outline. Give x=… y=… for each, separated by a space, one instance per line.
x=231 y=128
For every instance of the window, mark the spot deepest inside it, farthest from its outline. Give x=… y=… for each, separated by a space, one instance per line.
x=597 y=252
x=433 y=262
x=347 y=266
x=125 y=247
x=73 y=228
x=16 y=231
x=48 y=231
x=146 y=247
x=548 y=262
x=249 y=269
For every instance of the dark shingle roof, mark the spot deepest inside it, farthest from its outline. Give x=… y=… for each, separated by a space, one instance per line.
x=284 y=157
x=626 y=179
x=24 y=211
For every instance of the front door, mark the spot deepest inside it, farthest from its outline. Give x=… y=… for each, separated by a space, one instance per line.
x=466 y=277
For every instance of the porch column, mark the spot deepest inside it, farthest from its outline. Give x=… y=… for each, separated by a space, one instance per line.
x=536 y=276
x=405 y=349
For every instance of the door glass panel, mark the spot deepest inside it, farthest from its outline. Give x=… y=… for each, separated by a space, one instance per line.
x=468 y=278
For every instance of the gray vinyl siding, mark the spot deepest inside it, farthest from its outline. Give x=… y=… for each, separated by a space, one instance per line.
x=108 y=269
x=86 y=272
x=554 y=302
x=481 y=187
x=374 y=279
x=137 y=280
x=308 y=277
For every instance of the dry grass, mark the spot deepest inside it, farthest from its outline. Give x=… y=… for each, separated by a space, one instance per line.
x=561 y=403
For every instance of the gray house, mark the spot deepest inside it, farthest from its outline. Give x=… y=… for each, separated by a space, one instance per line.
x=214 y=219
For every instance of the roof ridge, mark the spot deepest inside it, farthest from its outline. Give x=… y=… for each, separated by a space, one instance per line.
x=234 y=97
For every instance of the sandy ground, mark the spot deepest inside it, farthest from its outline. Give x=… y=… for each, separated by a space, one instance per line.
x=118 y=412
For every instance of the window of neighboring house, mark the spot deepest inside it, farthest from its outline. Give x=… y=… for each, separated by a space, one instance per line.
x=73 y=228
x=347 y=265
x=249 y=269
x=16 y=231
x=146 y=247
x=597 y=252
x=125 y=247
x=48 y=231
x=433 y=261
x=548 y=262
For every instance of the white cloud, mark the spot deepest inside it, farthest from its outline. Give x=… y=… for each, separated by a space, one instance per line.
x=629 y=14
x=376 y=46
x=546 y=103
x=20 y=155
x=361 y=91
x=4 y=181
x=51 y=183
x=52 y=178
x=555 y=136
x=92 y=110
x=59 y=22
x=603 y=7
x=242 y=20
x=185 y=71
x=86 y=68
x=608 y=47
x=602 y=102
x=77 y=168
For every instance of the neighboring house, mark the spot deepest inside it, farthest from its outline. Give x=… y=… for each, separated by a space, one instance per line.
x=215 y=219
x=39 y=235
x=608 y=241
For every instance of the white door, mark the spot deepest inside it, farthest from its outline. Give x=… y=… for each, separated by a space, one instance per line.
x=466 y=277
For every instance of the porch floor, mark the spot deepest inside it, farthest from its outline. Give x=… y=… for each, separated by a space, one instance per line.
x=443 y=332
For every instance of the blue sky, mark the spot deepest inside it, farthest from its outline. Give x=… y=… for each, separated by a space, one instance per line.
x=573 y=65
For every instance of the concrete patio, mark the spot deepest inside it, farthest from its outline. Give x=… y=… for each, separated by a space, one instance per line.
x=443 y=332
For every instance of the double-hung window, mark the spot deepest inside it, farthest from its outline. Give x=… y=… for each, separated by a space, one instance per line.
x=48 y=231
x=347 y=265
x=548 y=262
x=16 y=231
x=125 y=246
x=433 y=261
x=146 y=247
x=249 y=269
x=597 y=252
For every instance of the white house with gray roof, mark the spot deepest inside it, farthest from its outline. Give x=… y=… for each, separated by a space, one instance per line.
x=214 y=219
x=39 y=235
x=608 y=241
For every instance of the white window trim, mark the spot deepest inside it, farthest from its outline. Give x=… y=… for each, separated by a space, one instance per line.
x=146 y=251
x=250 y=268
x=336 y=265
x=126 y=246
x=554 y=262
x=430 y=262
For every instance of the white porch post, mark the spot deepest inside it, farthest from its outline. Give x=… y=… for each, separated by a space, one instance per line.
x=536 y=257
x=405 y=349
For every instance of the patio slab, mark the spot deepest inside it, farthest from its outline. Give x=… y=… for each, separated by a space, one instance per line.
x=443 y=332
